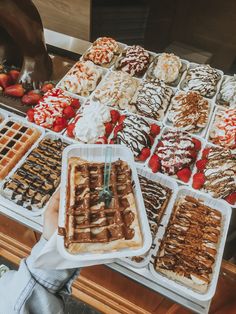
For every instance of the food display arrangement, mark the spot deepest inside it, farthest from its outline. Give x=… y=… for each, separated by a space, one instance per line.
x=177 y=121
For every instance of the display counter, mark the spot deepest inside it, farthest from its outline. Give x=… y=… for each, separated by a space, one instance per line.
x=116 y=287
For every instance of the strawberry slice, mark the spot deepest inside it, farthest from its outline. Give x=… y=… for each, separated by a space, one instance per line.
x=145 y=153
x=5 y=80
x=205 y=153
x=184 y=174
x=231 y=198
x=58 y=128
x=122 y=118
x=154 y=163
x=14 y=74
x=108 y=128
x=30 y=99
x=69 y=112
x=75 y=103
x=198 y=180
x=60 y=121
x=197 y=144
x=30 y=115
x=16 y=90
x=155 y=129
x=70 y=130
x=46 y=87
x=115 y=115
x=201 y=164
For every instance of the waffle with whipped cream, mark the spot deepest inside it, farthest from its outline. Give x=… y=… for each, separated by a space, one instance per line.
x=203 y=79
x=156 y=197
x=116 y=90
x=16 y=138
x=189 y=111
x=38 y=177
x=166 y=67
x=223 y=130
x=220 y=172
x=151 y=99
x=90 y=225
x=189 y=247
x=227 y=94
x=135 y=61
x=104 y=51
x=82 y=78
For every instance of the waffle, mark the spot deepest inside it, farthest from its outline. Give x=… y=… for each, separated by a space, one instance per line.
x=15 y=140
x=37 y=179
x=90 y=226
x=156 y=198
x=188 y=250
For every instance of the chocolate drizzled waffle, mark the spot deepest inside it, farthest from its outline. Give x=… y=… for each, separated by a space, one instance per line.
x=90 y=226
x=188 y=250
x=15 y=140
x=36 y=180
x=156 y=197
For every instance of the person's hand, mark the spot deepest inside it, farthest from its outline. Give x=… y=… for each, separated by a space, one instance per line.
x=51 y=216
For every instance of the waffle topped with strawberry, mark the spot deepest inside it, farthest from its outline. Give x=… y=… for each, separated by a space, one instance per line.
x=137 y=134
x=54 y=110
x=217 y=173
x=94 y=124
x=175 y=154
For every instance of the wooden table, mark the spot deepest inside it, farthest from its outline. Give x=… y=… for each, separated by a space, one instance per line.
x=109 y=291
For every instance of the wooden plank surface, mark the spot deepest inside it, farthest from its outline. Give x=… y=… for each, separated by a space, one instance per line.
x=66 y=16
x=111 y=292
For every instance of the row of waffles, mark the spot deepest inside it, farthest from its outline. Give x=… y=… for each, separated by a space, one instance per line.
x=186 y=251
x=161 y=148
x=30 y=164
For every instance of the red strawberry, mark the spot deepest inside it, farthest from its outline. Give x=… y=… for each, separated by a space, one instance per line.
x=201 y=164
x=193 y=154
x=122 y=118
x=154 y=163
x=70 y=130
x=205 y=152
x=108 y=128
x=61 y=122
x=231 y=198
x=115 y=115
x=46 y=87
x=145 y=153
x=5 y=80
x=184 y=174
x=160 y=144
x=30 y=100
x=197 y=144
x=198 y=180
x=58 y=128
x=75 y=103
x=151 y=139
x=112 y=141
x=30 y=115
x=14 y=74
x=16 y=90
x=68 y=112
x=118 y=128
x=155 y=129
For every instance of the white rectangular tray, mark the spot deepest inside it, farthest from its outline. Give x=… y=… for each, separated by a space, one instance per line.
x=96 y=153
x=178 y=287
x=172 y=185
